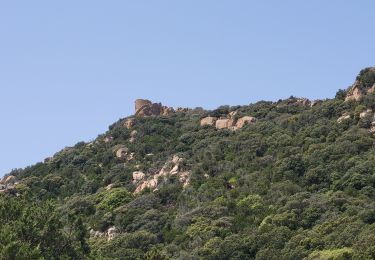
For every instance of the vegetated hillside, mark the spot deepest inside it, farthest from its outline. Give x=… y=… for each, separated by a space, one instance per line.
x=291 y=179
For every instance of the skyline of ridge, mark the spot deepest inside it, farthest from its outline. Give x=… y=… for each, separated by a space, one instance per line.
x=68 y=73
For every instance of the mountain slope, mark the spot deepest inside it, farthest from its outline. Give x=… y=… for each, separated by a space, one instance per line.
x=291 y=179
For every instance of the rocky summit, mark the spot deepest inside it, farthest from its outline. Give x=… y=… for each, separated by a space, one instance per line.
x=286 y=179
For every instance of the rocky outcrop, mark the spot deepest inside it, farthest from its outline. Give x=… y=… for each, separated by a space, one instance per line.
x=294 y=102
x=208 y=121
x=342 y=118
x=182 y=109
x=8 y=180
x=365 y=84
x=225 y=123
x=144 y=107
x=365 y=113
x=166 y=111
x=372 y=89
x=245 y=120
x=316 y=102
x=110 y=234
x=133 y=136
x=138 y=176
x=122 y=153
x=230 y=122
x=303 y=102
x=8 y=185
x=354 y=93
x=372 y=129
x=171 y=167
x=129 y=123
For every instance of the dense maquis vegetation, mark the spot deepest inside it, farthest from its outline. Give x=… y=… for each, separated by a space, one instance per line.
x=295 y=185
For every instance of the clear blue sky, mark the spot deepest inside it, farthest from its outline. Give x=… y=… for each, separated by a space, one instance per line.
x=68 y=69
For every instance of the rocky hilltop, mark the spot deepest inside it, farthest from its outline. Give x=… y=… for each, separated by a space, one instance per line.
x=362 y=86
x=144 y=107
x=291 y=179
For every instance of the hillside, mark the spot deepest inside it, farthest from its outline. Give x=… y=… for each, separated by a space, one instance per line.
x=292 y=179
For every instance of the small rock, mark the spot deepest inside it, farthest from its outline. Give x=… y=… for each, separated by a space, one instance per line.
x=122 y=153
x=108 y=139
x=109 y=187
x=112 y=233
x=129 y=123
x=232 y=114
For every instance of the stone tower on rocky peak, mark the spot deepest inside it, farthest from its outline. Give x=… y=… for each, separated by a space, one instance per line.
x=144 y=107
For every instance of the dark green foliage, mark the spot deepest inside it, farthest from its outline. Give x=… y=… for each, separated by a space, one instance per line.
x=294 y=185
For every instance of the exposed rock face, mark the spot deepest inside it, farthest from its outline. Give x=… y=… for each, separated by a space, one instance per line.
x=141 y=103
x=232 y=114
x=138 y=176
x=372 y=89
x=228 y=123
x=122 y=153
x=208 y=121
x=343 y=118
x=354 y=93
x=303 y=102
x=365 y=84
x=9 y=180
x=144 y=107
x=168 y=111
x=133 y=136
x=316 y=102
x=110 y=233
x=171 y=167
x=243 y=120
x=131 y=156
x=129 y=123
x=365 y=113
x=372 y=129
x=225 y=123
x=296 y=102
x=182 y=110
x=7 y=185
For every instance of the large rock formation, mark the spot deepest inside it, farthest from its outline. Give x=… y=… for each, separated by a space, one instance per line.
x=8 y=180
x=364 y=84
x=245 y=120
x=7 y=185
x=208 y=121
x=228 y=123
x=144 y=107
x=354 y=93
x=225 y=123
x=171 y=167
